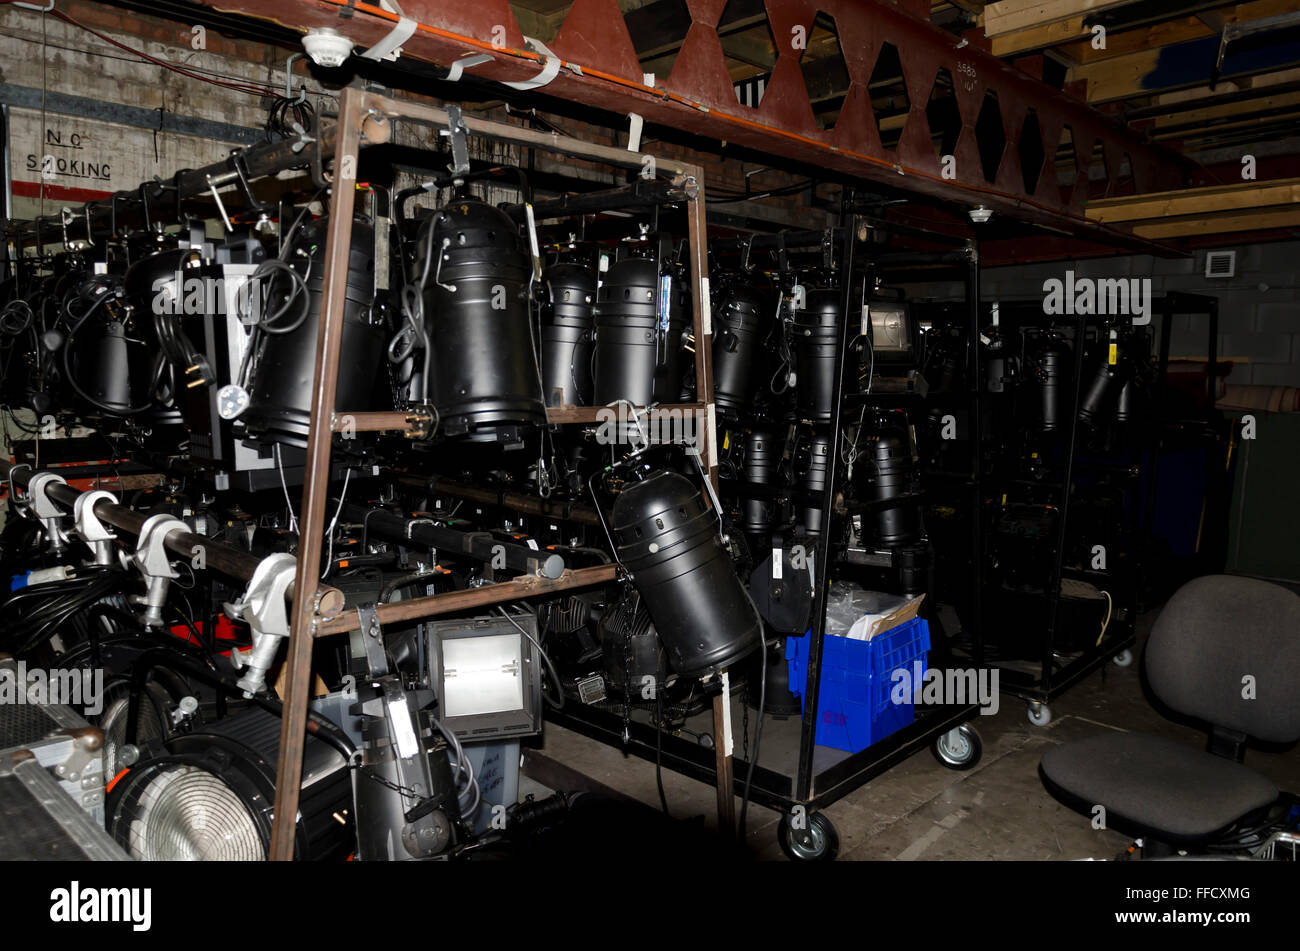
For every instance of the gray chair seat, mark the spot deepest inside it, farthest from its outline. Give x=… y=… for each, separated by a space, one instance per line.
x=1171 y=789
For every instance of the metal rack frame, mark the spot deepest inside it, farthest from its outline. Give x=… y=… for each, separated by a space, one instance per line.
x=365 y=118
x=1050 y=681
x=806 y=786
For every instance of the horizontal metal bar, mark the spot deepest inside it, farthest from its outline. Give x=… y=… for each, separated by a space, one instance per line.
x=601 y=414
x=641 y=194
x=453 y=602
x=515 y=501
x=687 y=757
x=218 y=556
x=529 y=138
x=1029 y=686
x=481 y=546
x=414 y=422
x=259 y=160
x=838 y=780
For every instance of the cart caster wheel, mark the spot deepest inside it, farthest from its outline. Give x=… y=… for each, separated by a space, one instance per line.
x=705 y=740
x=1124 y=658
x=959 y=748
x=1040 y=714
x=817 y=841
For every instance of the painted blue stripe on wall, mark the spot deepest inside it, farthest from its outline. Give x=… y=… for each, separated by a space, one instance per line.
x=86 y=108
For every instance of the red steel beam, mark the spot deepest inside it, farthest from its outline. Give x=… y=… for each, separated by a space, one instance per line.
x=601 y=70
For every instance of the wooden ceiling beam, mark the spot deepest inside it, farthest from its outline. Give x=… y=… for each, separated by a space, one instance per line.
x=1197 y=225
x=1181 y=65
x=1008 y=16
x=1178 y=30
x=1208 y=201
x=1038 y=37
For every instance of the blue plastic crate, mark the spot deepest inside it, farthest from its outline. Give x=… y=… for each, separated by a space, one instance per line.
x=854 y=709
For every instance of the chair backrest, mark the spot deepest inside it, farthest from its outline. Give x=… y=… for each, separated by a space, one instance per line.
x=1214 y=634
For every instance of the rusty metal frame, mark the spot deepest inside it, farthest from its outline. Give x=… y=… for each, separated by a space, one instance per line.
x=599 y=67
x=363 y=119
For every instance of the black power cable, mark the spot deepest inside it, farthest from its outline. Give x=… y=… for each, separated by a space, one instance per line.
x=758 y=738
x=72 y=380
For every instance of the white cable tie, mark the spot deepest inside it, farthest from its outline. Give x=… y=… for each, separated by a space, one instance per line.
x=550 y=68
x=390 y=47
x=464 y=63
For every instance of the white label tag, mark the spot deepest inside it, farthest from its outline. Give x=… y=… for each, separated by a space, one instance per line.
x=399 y=717
x=531 y=544
x=533 y=247
x=706 y=317
x=778 y=564
x=634 y=129
x=711 y=436
x=728 y=745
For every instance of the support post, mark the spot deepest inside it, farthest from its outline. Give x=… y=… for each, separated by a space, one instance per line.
x=808 y=728
x=697 y=235
x=293 y=728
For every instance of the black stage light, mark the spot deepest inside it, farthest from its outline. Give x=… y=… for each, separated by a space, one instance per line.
x=209 y=796
x=669 y=543
x=817 y=345
x=474 y=275
x=566 y=334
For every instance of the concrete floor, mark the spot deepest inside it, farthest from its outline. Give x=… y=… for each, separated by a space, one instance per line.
x=921 y=810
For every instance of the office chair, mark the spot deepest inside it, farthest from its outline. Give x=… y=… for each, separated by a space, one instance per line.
x=1225 y=650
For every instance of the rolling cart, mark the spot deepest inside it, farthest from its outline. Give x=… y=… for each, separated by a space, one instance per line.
x=792 y=773
x=1049 y=672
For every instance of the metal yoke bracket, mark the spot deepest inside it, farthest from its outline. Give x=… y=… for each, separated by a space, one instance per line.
x=152 y=561
x=368 y=642
x=264 y=609
x=44 y=508
x=458 y=132
x=91 y=530
x=21 y=500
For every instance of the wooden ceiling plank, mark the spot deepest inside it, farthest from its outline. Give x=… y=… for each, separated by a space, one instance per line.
x=1133 y=41
x=1178 y=30
x=1196 y=201
x=1219 y=224
x=1007 y=16
x=1260 y=81
x=1157 y=71
x=1038 y=37
x=1179 y=120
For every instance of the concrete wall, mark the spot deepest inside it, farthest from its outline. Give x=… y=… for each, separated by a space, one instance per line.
x=132 y=120
x=1259 y=308
x=108 y=120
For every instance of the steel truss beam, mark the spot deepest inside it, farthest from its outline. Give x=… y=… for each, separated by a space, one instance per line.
x=601 y=69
